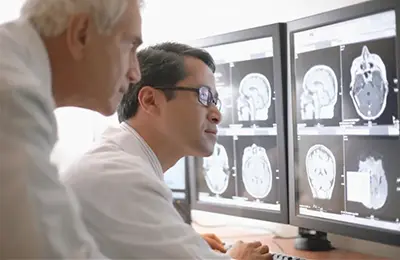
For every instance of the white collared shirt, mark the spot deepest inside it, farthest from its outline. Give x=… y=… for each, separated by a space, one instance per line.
x=39 y=218
x=126 y=204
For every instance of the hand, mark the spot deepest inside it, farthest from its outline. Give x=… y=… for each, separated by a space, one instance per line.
x=214 y=242
x=250 y=251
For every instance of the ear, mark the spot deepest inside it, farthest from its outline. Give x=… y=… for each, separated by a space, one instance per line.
x=78 y=34
x=149 y=100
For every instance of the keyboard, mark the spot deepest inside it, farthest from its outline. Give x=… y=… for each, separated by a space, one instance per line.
x=275 y=256
x=280 y=256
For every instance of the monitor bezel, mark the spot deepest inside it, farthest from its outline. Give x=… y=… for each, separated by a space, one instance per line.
x=186 y=200
x=278 y=34
x=320 y=20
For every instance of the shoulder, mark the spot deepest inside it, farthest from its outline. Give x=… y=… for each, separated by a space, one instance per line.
x=108 y=166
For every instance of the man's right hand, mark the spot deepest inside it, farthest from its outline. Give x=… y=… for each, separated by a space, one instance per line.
x=249 y=251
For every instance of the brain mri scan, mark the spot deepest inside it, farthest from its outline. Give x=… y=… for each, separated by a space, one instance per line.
x=225 y=96
x=378 y=182
x=321 y=171
x=256 y=171
x=254 y=97
x=320 y=89
x=216 y=170
x=369 y=85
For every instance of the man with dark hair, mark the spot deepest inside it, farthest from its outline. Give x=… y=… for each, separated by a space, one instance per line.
x=171 y=113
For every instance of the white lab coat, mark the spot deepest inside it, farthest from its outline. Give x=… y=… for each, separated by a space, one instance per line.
x=126 y=204
x=38 y=218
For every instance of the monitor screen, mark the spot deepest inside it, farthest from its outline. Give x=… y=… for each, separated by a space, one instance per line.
x=175 y=178
x=243 y=169
x=347 y=146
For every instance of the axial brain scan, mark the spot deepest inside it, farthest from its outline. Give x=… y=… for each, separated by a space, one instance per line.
x=256 y=171
x=321 y=171
x=369 y=85
x=254 y=97
x=320 y=89
x=216 y=170
x=378 y=182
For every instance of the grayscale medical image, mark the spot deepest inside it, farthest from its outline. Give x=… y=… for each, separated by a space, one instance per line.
x=253 y=92
x=321 y=171
x=224 y=89
x=372 y=170
x=320 y=168
x=216 y=174
x=318 y=87
x=257 y=168
x=369 y=82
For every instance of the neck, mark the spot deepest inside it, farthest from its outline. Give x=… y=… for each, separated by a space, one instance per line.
x=159 y=143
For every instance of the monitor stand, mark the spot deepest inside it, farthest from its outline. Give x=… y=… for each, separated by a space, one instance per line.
x=312 y=240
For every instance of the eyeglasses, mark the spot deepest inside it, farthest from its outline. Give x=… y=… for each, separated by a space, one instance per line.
x=204 y=94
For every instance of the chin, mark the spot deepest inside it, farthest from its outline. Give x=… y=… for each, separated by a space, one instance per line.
x=203 y=151
x=107 y=109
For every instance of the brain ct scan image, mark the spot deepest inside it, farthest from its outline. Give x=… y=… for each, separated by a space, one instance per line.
x=369 y=85
x=371 y=169
x=369 y=82
x=257 y=168
x=224 y=89
x=216 y=169
x=254 y=98
x=253 y=92
x=318 y=87
x=320 y=91
x=256 y=171
x=215 y=173
x=378 y=186
x=320 y=168
x=321 y=171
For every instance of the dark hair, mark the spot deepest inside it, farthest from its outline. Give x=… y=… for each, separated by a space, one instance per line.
x=160 y=65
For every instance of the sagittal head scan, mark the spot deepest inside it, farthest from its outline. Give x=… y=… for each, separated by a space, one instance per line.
x=254 y=97
x=216 y=170
x=378 y=188
x=225 y=96
x=369 y=85
x=321 y=171
x=320 y=90
x=256 y=171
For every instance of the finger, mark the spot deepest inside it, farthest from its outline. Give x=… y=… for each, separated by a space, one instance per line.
x=217 y=239
x=267 y=256
x=255 y=244
x=216 y=246
x=264 y=249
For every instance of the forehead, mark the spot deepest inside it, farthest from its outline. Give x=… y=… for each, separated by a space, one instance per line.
x=198 y=73
x=131 y=20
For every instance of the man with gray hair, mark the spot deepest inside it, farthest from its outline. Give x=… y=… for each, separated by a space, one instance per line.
x=58 y=53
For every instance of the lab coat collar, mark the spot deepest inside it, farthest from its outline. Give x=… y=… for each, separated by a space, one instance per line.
x=148 y=152
x=37 y=58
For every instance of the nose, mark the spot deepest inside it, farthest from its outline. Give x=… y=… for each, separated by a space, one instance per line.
x=214 y=115
x=134 y=75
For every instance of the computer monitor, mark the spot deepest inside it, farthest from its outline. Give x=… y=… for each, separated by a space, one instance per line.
x=343 y=122
x=177 y=181
x=246 y=174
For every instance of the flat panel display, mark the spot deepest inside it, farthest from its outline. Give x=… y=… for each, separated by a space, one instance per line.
x=243 y=171
x=175 y=178
x=346 y=113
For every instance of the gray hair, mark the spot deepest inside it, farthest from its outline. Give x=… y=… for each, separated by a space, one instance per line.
x=50 y=17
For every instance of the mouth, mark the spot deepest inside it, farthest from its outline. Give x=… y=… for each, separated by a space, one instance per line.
x=214 y=132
